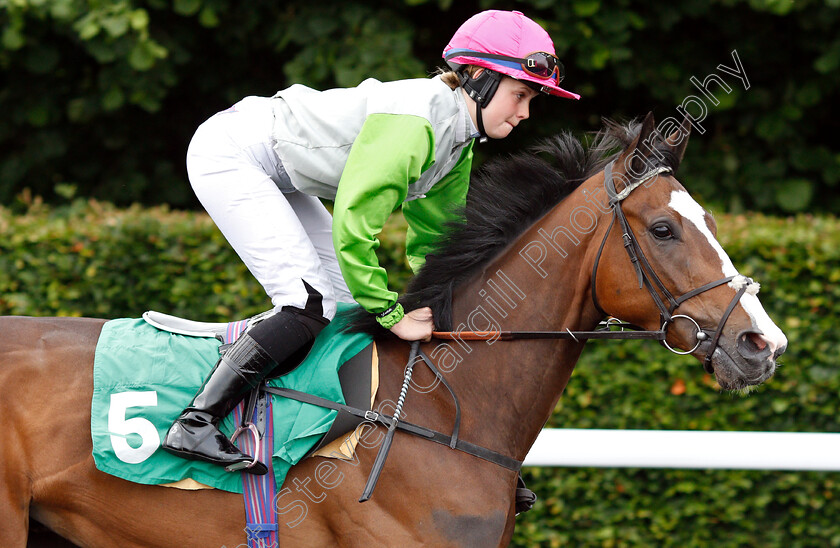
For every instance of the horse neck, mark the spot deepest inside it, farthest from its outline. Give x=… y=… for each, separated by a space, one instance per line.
x=508 y=389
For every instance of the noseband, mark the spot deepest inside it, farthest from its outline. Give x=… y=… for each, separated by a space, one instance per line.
x=647 y=277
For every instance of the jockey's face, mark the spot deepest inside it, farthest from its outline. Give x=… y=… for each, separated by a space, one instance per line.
x=509 y=106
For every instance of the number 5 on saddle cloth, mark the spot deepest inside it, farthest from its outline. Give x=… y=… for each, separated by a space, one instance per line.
x=145 y=371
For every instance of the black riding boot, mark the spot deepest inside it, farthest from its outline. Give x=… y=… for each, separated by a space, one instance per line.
x=284 y=338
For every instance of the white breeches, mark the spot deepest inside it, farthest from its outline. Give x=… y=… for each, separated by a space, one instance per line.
x=284 y=237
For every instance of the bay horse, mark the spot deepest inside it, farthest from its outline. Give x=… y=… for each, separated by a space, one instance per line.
x=543 y=247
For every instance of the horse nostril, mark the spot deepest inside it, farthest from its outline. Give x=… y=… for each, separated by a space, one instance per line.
x=753 y=345
x=757 y=340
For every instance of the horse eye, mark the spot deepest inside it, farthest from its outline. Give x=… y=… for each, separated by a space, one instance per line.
x=662 y=232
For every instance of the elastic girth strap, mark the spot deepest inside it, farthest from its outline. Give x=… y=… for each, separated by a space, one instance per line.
x=457 y=426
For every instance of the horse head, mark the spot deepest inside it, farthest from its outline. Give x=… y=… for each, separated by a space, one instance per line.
x=674 y=274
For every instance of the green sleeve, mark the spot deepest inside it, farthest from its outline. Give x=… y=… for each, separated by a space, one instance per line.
x=427 y=216
x=390 y=153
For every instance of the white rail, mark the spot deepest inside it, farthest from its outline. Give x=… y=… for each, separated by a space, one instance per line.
x=685 y=449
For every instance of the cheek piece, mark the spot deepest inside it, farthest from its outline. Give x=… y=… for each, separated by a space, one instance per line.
x=481 y=90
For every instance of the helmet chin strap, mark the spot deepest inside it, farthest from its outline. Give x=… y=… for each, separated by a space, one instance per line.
x=480 y=123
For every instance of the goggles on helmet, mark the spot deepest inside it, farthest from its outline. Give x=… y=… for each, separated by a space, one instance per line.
x=538 y=64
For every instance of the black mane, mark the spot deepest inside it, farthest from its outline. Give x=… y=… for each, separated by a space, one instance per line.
x=506 y=196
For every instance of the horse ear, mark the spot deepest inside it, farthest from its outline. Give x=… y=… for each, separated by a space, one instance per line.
x=678 y=140
x=634 y=158
x=647 y=126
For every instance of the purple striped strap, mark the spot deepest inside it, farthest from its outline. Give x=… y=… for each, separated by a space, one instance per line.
x=234 y=329
x=259 y=492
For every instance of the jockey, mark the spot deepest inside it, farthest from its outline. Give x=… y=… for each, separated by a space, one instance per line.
x=260 y=167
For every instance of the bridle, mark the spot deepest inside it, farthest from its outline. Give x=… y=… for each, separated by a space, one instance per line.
x=647 y=277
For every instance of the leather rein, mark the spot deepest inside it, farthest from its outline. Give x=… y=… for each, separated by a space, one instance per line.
x=647 y=277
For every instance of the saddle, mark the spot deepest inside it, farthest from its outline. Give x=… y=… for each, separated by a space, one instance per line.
x=358 y=376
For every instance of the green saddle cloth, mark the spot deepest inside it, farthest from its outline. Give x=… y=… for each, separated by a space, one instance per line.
x=144 y=377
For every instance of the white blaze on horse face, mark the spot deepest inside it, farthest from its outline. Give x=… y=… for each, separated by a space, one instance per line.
x=685 y=205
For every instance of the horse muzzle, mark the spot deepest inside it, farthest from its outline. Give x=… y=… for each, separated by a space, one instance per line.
x=745 y=360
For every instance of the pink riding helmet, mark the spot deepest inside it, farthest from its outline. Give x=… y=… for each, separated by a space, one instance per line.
x=510 y=39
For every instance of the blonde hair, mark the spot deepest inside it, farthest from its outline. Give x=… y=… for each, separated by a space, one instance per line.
x=451 y=78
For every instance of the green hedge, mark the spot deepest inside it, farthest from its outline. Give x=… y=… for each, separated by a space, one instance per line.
x=93 y=259
x=96 y=260
x=100 y=99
